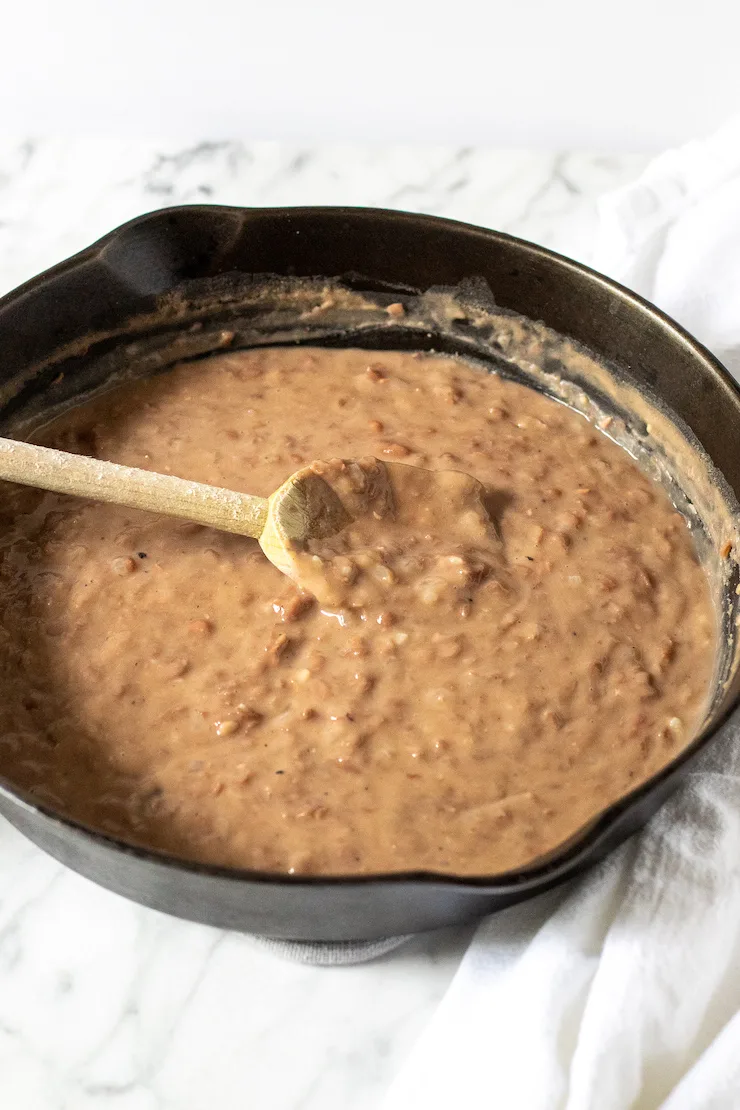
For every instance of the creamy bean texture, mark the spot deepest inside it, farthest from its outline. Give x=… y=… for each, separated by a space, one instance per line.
x=396 y=525
x=465 y=701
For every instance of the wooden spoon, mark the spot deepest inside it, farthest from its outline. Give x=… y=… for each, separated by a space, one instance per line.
x=315 y=503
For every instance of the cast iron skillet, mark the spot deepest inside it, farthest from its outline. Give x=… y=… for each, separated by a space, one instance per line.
x=48 y=323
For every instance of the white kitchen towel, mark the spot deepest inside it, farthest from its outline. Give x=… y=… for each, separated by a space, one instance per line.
x=329 y=953
x=622 y=992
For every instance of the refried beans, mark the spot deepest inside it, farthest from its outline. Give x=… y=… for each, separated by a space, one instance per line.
x=468 y=704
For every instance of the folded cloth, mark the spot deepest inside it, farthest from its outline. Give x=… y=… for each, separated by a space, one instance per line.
x=623 y=990
x=329 y=953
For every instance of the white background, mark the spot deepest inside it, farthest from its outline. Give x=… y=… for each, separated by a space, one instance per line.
x=633 y=75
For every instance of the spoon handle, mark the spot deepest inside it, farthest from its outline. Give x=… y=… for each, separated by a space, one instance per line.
x=63 y=472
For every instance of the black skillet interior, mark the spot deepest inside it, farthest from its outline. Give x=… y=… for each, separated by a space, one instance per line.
x=175 y=271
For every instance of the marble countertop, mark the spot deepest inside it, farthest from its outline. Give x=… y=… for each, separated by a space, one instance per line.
x=105 y=1005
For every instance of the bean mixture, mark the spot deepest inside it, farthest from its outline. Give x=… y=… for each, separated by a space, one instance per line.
x=465 y=701
x=396 y=525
